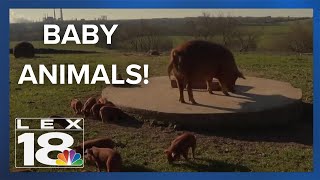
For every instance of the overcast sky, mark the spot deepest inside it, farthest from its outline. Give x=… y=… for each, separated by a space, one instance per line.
x=18 y=15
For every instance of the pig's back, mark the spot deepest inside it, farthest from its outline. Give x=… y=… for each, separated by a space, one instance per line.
x=183 y=141
x=100 y=143
x=205 y=57
x=204 y=50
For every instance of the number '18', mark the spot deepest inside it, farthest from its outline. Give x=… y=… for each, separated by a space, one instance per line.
x=43 y=141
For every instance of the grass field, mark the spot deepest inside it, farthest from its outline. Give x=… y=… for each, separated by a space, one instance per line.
x=280 y=149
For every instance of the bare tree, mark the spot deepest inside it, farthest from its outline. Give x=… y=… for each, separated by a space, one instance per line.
x=146 y=38
x=246 y=40
x=227 y=27
x=202 y=27
x=300 y=37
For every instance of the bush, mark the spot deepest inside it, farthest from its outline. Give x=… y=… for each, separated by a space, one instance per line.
x=24 y=49
x=299 y=38
x=146 y=43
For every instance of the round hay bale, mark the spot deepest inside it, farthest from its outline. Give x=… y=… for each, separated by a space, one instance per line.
x=154 y=53
x=24 y=49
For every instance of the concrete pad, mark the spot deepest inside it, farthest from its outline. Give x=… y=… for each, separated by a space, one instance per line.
x=256 y=102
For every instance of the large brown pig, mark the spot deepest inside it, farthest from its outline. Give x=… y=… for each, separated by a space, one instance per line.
x=99 y=142
x=88 y=105
x=104 y=158
x=202 y=60
x=180 y=146
x=76 y=105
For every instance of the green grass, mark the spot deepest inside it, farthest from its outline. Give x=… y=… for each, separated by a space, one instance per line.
x=270 y=150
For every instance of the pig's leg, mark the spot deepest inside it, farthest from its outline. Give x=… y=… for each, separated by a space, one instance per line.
x=232 y=89
x=185 y=154
x=103 y=117
x=117 y=115
x=190 y=94
x=108 y=165
x=224 y=88
x=181 y=87
x=79 y=111
x=177 y=157
x=193 y=148
x=209 y=85
x=98 y=167
x=74 y=110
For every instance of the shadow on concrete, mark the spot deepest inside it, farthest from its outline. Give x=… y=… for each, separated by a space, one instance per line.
x=253 y=99
x=239 y=91
x=255 y=102
x=241 y=88
x=209 y=165
x=299 y=130
x=210 y=106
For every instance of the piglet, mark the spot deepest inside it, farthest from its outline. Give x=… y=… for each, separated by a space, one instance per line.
x=106 y=102
x=104 y=158
x=88 y=105
x=99 y=142
x=95 y=110
x=102 y=100
x=108 y=113
x=180 y=146
x=76 y=105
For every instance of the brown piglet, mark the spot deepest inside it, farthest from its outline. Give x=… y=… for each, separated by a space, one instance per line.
x=180 y=146
x=104 y=158
x=102 y=100
x=88 y=105
x=99 y=142
x=76 y=105
x=105 y=102
x=108 y=113
x=95 y=110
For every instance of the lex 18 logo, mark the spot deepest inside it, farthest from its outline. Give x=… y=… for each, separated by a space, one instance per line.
x=48 y=142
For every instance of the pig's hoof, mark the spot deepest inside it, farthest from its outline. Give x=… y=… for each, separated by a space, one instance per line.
x=182 y=101
x=210 y=92
x=193 y=102
x=225 y=93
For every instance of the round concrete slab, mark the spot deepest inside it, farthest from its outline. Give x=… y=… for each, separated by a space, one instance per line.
x=257 y=102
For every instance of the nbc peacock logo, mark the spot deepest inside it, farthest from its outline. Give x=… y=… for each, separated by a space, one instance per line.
x=69 y=158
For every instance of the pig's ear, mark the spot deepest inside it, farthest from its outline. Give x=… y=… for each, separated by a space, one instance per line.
x=240 y=75
x=168 y=152
x=174 y=53
x=89 y=151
